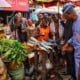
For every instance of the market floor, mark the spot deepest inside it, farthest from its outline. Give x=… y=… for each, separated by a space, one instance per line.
x=65 y=77
x=60 y=71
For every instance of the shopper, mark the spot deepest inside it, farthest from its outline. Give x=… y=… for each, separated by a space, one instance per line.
x=56 y=27
x=69 y=56
x=30 y=28
x=68 y=10
x=18 y=27
x=44 y=31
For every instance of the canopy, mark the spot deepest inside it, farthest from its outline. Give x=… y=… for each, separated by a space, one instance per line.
x=54 y=9
x=18 y=5
x=57 y=9
x=4 y=4
x=51 y=10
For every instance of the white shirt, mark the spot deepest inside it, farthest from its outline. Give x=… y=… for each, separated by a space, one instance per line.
x=52 y=28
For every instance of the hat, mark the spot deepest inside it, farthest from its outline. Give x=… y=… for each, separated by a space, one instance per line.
x=68 y=7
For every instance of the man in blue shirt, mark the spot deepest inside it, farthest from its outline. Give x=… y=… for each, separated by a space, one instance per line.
x=70 y=14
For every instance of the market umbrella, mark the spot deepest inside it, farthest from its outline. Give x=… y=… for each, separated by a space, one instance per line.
x=37 y=11
x=4 y=4
x=45 y=10
x=56 y=9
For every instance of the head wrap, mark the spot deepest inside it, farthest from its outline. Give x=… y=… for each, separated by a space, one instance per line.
x=68 y=7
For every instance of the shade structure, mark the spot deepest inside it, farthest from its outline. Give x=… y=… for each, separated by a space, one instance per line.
x=4 y=4
x=18 y=5
x=47 y=10
x=51 y=10
x=37 y=11
x=56 y=9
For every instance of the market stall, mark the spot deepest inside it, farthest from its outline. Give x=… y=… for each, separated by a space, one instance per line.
x=4 y=4
x=18 y=5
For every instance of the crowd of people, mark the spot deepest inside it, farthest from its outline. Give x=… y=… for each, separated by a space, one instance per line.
x=62 y=28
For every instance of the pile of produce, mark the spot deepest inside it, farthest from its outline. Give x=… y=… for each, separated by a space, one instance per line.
x=12 y=50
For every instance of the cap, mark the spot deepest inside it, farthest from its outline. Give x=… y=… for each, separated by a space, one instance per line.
x=68 y=7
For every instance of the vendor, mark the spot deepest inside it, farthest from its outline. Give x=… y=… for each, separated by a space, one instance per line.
x=44 y=31
x=56 y=27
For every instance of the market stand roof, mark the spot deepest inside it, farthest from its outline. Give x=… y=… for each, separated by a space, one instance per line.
x=18 y=5
x=4 y=4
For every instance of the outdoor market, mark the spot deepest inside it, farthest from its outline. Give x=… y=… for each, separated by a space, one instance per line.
x=39 y=39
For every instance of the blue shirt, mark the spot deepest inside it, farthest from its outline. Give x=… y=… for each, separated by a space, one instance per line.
x=34 y=17
x=75 y=40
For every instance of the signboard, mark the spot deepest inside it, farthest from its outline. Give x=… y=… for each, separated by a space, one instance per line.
x=18 y=5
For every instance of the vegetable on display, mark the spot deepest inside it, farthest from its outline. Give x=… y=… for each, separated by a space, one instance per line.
x=12 y=50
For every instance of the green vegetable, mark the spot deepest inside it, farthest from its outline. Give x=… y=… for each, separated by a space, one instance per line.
x=13 y=50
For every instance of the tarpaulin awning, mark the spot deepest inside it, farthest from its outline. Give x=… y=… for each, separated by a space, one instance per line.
x=51 y=10
x=18 y=5
x=4 y=4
